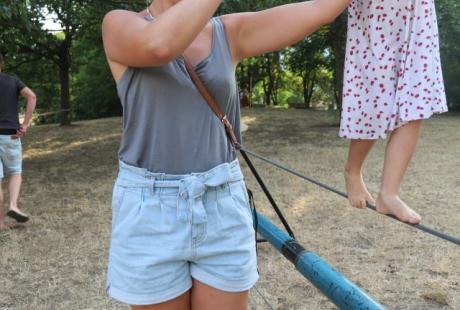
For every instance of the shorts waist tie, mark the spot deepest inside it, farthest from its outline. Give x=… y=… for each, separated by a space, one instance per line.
x=192 y=189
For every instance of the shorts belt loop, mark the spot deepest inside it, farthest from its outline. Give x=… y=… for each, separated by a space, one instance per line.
x=153 y=180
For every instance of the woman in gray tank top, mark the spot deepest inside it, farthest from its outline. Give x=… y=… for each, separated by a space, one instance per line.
x=182 y=234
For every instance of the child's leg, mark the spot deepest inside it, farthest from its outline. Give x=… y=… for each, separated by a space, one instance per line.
x=399 y=151
x=357 y=192
x=3 y=225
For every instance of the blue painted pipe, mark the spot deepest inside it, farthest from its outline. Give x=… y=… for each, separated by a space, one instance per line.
x=343 y=293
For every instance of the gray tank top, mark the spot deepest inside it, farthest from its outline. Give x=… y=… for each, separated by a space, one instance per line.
x=167 y=125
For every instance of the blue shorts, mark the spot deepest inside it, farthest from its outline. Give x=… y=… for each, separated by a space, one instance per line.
x=10 y=155
x=168 y=229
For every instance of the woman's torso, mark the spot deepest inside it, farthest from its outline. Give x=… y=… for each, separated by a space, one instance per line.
x=167 y=125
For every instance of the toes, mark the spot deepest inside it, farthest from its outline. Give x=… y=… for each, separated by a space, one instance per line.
x=370 y=200
x=412 y=218
x=415 y=218
x=354 y=202
x=357 y=203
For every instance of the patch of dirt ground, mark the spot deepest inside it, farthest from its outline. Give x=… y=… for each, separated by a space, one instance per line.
x=58 y=259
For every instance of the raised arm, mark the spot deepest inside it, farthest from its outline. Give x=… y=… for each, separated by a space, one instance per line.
x=252 y=34
x=130 y=40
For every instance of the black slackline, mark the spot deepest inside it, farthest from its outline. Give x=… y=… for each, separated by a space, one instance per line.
x=267 y=193
x=421 y=227
x=51 y=113
x=264 y=298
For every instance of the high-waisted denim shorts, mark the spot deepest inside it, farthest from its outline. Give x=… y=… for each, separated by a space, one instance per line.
x=168 y=229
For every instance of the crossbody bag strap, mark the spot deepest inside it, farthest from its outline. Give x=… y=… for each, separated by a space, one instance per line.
x=211 y=103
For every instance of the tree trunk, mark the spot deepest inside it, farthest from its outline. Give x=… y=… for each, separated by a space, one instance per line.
x=250 y=86
x=306 y=97
x=268 y=86
x=266 y=92
x=308 y=83
x=275 y=77
x=310 y=93
x=65 y=95
x=64 y=76
x=338 y=36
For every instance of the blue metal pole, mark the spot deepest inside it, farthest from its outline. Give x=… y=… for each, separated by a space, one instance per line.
x=343 y=293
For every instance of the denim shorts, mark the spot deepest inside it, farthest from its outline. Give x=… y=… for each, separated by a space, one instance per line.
x=168 y=229
x=10 y=155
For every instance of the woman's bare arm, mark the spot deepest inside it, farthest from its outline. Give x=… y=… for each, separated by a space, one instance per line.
x=252 y=34
x=130 y=40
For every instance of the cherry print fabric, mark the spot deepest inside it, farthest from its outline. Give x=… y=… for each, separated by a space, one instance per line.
x=392 y=67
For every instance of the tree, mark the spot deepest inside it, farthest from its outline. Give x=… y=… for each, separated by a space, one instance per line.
x=27 y=37
x=267 y=69
x=249 y=73
x=449 y=31
x=337 y=41
x=306 y=58
x=67 y=67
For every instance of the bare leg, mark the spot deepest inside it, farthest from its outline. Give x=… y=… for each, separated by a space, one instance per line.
x=357 y=192
x=205 y=297
x=3 y=225
x=14 y=187
x=180 y=303
x=399 y=151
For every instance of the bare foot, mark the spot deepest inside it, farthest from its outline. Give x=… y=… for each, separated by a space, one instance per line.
x=357 y=191
x=394 y=205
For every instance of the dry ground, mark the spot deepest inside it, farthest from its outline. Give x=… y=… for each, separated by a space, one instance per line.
x=58 y=259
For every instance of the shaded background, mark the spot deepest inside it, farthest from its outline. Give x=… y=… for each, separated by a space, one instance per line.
x=66 y=66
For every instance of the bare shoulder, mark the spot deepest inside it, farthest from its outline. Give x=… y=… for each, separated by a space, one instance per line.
x=120 y=32
x=116 y=15
x=232 y=24
x=232 y=21
x=115 y=18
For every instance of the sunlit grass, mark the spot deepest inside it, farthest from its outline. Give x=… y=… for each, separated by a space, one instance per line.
x=58 y=260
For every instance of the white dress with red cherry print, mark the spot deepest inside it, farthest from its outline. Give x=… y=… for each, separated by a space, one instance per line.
x=392 y=67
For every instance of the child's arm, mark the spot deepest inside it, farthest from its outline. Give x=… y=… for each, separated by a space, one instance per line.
x=252 y=34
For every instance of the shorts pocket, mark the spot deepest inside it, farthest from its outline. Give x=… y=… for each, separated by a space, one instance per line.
x=240 y=197
x=14 y=151
x=117 y=199
x=126 y=204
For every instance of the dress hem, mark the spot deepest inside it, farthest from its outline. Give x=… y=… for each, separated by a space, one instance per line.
x=354 y=136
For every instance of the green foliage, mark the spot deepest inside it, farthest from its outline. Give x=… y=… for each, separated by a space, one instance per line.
x=94 y=89
x=306 y=59
x=309 y=73
x=31 y=45
x=269 y=78
x=449 y=29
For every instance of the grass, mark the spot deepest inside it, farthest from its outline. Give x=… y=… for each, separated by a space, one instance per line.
x=58 y=259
